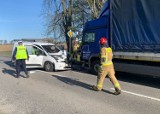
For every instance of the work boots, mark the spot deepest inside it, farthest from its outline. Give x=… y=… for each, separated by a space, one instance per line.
x=17 y=76
x=27 y=76
x=96 y=88
x=117 y=91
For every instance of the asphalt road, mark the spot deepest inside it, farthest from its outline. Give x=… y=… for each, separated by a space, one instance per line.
x=69 y=92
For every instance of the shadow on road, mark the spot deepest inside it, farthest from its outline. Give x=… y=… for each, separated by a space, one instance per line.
x=9 y=63
x=76 y=82
x=82 y=70
x=9 y=71
x=139 y=79
x=130 y=78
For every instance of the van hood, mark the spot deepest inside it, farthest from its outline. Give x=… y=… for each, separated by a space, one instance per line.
x=61 y=54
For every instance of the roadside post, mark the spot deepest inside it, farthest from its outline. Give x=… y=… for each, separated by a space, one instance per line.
x=70 y=34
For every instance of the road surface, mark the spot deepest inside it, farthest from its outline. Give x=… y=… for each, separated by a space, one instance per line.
x=69 y=92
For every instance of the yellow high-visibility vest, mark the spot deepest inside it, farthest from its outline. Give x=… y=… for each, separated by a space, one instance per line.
x=21 y=53
x=106 y=62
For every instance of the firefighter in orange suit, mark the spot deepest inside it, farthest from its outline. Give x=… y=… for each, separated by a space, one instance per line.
x=75 y=50
x=106 y=68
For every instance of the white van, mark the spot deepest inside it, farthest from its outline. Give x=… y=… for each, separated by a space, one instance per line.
x=47 y=56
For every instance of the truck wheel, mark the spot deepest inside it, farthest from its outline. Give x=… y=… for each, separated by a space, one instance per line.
x=95 y=67
x=48 y=66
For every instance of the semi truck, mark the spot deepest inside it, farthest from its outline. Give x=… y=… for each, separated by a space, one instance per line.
x=132 y=28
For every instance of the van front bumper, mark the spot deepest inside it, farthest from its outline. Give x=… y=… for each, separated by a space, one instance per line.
x=61 y=66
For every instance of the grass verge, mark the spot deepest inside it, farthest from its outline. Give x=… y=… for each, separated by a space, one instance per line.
x=5 y=53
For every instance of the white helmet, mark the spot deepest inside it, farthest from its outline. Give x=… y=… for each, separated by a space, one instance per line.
x=20 y=42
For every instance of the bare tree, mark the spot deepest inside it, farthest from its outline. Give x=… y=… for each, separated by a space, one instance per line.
x=59 y=14
x=96 y=6
x=65 y=15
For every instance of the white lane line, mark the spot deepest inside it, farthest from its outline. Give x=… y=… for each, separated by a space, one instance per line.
x=51 y=73
x=136 y=94
x=139 y=95
x=32 y=72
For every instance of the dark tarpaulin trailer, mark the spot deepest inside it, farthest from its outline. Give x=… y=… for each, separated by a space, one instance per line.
x=135 y=25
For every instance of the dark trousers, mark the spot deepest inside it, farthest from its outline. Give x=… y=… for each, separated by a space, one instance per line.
x=21 y=65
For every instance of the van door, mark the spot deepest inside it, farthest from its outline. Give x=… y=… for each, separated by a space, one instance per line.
x=36 y=56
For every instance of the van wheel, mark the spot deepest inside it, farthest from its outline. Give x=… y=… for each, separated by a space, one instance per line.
x=48 y=66
x=95 y=67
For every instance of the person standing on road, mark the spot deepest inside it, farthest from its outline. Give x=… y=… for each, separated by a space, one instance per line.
x=20 y=54
x=34 y=51
x=106 y=68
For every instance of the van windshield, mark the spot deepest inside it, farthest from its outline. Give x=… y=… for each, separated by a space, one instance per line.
x=51 y=48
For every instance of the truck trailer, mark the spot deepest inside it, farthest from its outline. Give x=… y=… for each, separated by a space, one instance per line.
x=132 y=28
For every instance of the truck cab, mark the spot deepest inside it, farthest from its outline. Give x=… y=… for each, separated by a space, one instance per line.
x=44 y=55
x=92 y=32
x=90 y=48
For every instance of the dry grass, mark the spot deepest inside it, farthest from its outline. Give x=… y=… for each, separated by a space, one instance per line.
x=4 y=48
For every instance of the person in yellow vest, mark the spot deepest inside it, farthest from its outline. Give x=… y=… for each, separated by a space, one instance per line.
x=20 y=54
x=75 y=50
x=106 y=68
x=34 y=51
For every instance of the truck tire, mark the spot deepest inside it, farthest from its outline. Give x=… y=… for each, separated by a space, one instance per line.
x=48 y=66
x=95 y=67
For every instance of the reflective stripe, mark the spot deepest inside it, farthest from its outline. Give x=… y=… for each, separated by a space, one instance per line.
x=108 y=63
x=117 y=85
x=99 y=85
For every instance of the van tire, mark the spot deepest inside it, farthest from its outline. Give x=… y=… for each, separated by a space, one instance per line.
x=48 y=66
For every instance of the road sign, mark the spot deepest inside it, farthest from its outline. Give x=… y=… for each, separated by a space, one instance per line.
x=70 y=33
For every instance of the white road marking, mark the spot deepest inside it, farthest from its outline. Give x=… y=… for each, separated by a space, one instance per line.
x=31 y=72
x=51 y=73
x=139 y=95
x=136 y=94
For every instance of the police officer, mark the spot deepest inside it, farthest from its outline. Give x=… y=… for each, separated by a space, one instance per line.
x=106 y=68
x=20 y=54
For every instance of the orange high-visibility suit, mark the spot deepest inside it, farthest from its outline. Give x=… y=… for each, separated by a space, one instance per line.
x=107 y=69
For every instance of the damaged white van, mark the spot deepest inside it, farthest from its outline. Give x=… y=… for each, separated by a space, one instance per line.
x=45 y=55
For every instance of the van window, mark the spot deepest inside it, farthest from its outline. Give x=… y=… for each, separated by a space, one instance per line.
x=32 y=50
x=51 y=48
x=89 y=37
x=29 y=49
x=38 y=46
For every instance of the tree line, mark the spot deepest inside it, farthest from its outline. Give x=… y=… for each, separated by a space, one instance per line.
x=4 y=42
